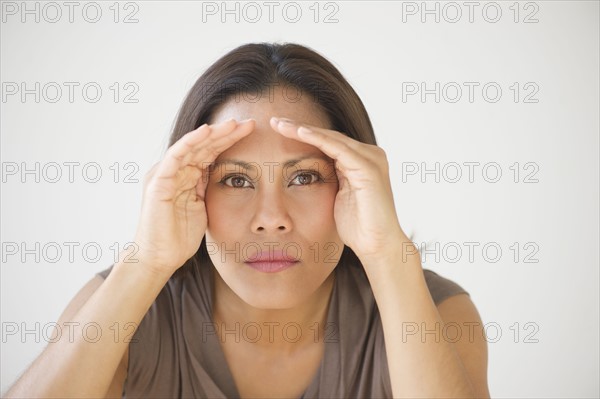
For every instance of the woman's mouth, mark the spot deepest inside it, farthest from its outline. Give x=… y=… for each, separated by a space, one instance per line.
x=271 y=261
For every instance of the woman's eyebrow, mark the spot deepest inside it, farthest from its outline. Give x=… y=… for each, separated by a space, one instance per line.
x=293 y=162
x=253 y=165
x=241 y=164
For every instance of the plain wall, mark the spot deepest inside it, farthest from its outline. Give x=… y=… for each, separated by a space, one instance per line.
x=538 y=296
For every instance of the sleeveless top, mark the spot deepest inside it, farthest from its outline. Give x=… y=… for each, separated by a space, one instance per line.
x=175 y=352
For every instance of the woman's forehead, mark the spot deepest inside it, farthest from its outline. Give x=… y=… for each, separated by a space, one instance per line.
x=261 y=107
x=266 y=145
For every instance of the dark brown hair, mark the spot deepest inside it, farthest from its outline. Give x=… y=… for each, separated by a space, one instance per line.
x=256 y=67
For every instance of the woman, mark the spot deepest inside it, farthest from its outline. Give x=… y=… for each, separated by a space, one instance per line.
x=269 y=260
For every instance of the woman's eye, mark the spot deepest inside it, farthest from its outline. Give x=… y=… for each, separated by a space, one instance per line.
x=304 y=179
x=236 y=182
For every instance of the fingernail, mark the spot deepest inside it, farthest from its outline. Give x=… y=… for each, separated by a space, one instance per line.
x=246 y=120
x=285 y=120
x=304 y=130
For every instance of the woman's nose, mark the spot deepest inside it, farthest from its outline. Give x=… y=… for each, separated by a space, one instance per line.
x=271 y=213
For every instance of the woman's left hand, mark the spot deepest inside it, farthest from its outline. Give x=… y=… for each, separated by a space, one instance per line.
x=364 y=209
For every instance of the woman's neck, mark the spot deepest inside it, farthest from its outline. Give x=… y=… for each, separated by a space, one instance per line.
x=280 y=329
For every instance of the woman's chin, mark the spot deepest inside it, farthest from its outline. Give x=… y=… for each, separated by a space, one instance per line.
x=274 y=297
x=279 y=290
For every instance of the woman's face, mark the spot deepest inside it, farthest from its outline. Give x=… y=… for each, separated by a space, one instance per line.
x=274 y=195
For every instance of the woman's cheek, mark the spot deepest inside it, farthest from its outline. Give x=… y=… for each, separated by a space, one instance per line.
x=314 y=216
x=223 y=211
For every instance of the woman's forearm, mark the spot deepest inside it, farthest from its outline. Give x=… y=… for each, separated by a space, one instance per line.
x=82 y=362
x=421 y=362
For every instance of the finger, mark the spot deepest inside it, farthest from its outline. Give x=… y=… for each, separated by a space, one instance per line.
x=174 y=156
x=218 y=142
x=185 y=150
x=290 y=127
x=201 y=184
x=333 y=144
x=188 y=178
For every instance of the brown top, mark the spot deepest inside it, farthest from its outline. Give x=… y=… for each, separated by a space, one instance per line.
x=175 y=352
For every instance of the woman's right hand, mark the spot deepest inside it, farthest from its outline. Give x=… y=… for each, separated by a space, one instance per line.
x=173 y=218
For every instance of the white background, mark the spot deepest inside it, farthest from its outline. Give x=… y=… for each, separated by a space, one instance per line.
x=542 y=316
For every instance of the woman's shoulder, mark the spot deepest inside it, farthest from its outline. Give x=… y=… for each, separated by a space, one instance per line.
x=441 y=287
x=104 y=273
x=159 y=341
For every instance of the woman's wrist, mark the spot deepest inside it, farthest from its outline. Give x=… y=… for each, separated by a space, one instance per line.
x=398 y=250
x=400 y=259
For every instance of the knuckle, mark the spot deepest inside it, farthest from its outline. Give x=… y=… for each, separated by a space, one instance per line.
x=379 y=156
x=380 y=152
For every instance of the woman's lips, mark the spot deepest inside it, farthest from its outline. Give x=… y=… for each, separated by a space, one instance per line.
x=271 y=261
